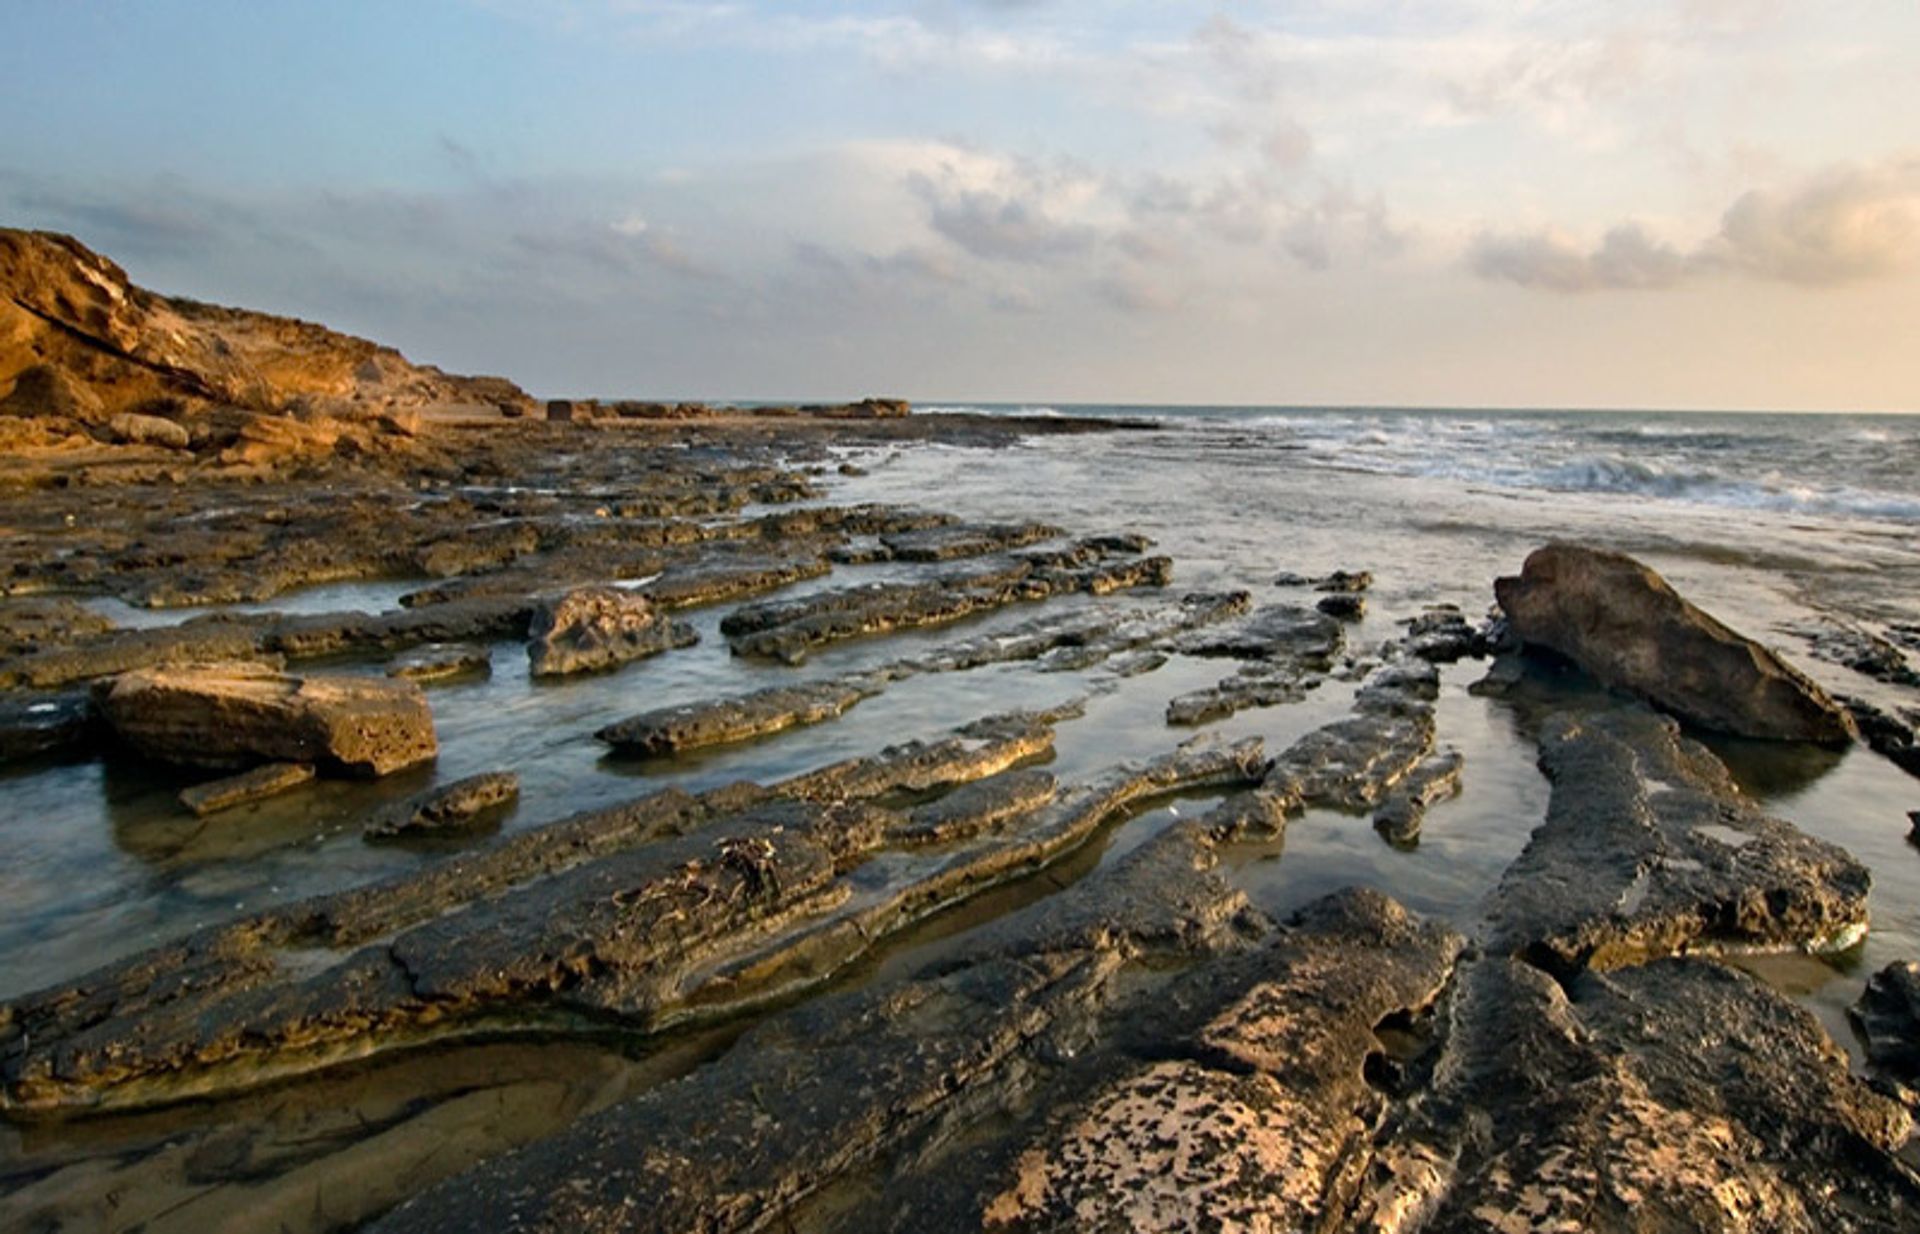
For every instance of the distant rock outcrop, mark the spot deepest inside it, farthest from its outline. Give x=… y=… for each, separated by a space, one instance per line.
x=80 y=342
x=1625 y=625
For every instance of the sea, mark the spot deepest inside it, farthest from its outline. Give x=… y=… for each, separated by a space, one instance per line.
x=1783 y=526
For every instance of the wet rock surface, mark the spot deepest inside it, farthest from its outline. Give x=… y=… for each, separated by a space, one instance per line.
x=1399 y=816
x=787 y=630
x=1861 y=650
x=1678 y=1095
x=225 y=716
x=42 y=725
x=1886 y=733
x=1274 y=632
x=1888 y=1017
x=1649 y=849
x=1257 y=685
x=596 y=628
x=258 y=784
x=695 y=725
x=1622 y=623
x=441 y=662
x=460 y=806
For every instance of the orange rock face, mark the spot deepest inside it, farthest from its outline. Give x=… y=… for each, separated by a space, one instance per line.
x=79 y=340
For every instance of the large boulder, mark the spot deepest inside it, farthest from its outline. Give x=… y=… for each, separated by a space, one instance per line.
x=237 y=715
x=133 y=429
x=593 y=628
x=1626 y=626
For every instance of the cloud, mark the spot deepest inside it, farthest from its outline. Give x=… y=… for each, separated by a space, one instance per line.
x=1842 y=226
x=1626 y=258
x=1011 y=210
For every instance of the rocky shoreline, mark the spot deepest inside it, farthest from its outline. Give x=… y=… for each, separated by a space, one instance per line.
x=904 y=989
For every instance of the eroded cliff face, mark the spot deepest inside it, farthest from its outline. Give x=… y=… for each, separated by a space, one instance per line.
x=80 y=342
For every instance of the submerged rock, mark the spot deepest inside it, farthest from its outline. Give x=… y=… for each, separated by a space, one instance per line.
x=1886 y=733
x=1861 y=650
x=593 y=628
x=268 y=780
x=459 y=806
x=1888 y=1017
x=1622 y=623
x=441 y=662
x=1650 y=849
x=38 y=725
x=234 y=715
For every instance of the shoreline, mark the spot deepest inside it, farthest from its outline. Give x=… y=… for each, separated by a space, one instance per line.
x=746 y=820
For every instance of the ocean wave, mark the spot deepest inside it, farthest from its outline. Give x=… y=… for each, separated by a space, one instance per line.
x=998 y=409
x=1647 y=478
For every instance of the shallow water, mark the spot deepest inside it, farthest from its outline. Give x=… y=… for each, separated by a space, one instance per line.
x=103 y=862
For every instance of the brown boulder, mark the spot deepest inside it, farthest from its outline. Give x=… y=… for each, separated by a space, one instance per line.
x=237 y=715
x=132 y=429
x=1626 y=626
x=593 y=628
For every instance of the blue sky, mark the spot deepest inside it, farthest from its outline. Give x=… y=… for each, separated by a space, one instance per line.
x=1693 y=203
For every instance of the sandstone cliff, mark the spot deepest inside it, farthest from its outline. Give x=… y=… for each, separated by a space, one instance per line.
x=81 y=343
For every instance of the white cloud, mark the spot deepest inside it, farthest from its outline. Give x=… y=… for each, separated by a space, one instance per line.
x=1841 y=226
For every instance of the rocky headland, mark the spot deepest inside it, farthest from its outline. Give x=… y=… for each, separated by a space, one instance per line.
x=904 y=989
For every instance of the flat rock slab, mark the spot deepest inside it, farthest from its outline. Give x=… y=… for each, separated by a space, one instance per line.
x=595 y=628
x=1274 y=632
x=1369 y=760
x=234 y=715
x=1650 y=849
x=741 y=1145
x=972 y=808
x=29 y=623
x=269 y=780
x=1626 y=626
x=441 y=662
x=1268 y=1119
x=1258 y=685
x=965 y=540
x=459 y=806
x=787 y=630
x=668 y=730
x=644 y=913
x=1681 y=1095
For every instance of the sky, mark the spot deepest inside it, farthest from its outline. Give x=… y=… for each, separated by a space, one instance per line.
x=1617 y=203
